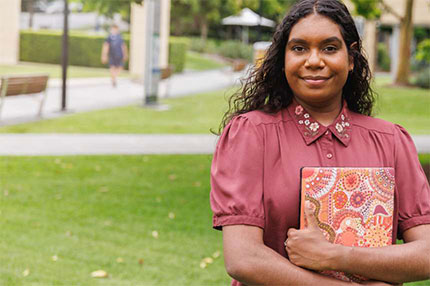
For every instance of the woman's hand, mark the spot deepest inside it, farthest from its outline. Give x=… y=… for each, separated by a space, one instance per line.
x=378 y=283
x=308 y=248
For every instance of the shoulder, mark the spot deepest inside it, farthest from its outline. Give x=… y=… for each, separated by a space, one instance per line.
x=373 y=124
x=258 y=117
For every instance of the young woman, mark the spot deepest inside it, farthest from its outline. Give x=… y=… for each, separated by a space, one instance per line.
x=309 y=104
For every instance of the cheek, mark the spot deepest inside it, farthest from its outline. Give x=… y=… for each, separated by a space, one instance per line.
x=291 y=68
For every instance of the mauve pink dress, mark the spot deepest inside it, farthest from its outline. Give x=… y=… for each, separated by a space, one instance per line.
x=255 y=176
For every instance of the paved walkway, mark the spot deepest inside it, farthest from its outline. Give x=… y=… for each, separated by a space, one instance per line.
x=97 y=93
x=107 y=144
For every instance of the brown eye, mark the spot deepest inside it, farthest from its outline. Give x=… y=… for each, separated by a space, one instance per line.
x=330 y=49
x=298 y=49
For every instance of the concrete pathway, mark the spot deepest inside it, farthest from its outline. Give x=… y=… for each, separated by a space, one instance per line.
x=106 y=144
x=97 y=93
x=88 y=94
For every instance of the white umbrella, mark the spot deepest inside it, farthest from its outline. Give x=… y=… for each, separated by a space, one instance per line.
x=247 y=18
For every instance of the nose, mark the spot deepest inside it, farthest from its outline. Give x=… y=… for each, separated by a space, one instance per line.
x=314 y=60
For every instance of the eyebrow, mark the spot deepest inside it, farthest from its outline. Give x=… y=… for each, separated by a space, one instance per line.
x=328 y=40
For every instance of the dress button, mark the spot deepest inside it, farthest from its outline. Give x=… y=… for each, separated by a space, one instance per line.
x=327 y=133
x=329 y=155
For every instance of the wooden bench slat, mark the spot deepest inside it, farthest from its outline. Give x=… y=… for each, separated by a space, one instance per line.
x=17 y=85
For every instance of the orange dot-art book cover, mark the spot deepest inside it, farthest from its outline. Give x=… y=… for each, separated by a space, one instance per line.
x=353 y=206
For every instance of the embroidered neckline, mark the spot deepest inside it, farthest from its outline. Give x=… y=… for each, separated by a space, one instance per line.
x=312 y=129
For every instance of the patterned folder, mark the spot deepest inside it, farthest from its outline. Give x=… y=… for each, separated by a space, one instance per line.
x=353 y=206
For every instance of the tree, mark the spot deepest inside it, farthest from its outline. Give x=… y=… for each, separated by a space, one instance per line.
x=109 y=7
x=203 y=14
x=30 y=6
x=373 y=10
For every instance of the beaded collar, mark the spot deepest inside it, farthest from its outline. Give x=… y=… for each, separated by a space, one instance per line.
x=311 y=129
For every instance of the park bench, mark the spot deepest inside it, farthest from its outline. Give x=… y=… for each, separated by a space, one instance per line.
x=24 y=85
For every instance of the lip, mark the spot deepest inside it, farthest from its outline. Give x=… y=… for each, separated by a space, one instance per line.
x=315 y=81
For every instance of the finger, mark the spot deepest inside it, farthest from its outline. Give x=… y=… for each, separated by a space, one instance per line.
x=310 y=216
x=291 y=232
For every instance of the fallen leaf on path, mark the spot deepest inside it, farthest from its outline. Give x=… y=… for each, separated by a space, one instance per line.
x=141 y=261
x=120 y=260
x=26 y=272
x=99 y=274
x=155 y=234
x=203 y=264
x=216 y=254
x=172 y=177
x=103 y=189
x=172 y=215
x=208 y=260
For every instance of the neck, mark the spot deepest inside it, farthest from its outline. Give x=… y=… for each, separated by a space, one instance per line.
x=324 y=113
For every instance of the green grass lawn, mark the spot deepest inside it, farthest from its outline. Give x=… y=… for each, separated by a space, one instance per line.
x=192 y=114
x=71 y=216
x=199 y=62
x=409 y=107
x=55 y=71
x=100 y=213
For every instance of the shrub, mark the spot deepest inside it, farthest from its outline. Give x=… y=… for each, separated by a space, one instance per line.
x=236 y=50
x=423 y=78
x=46 y=47
x=384 y=61
x=198 y=45
x=423 y=51
x=178 y=53
x=84 y=50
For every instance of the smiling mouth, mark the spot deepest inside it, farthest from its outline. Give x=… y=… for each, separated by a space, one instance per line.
x=315 y=80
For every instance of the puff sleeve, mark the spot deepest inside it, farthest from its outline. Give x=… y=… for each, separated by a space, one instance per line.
x=237 y=176
x=411 y=184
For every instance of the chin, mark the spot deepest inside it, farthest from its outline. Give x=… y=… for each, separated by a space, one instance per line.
x=317 y=97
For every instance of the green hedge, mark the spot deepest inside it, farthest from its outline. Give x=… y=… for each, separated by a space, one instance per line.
x=178 y=53
x=84 y=50
x=384 y=61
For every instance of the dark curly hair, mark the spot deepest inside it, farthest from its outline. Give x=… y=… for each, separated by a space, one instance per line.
x=266 y=87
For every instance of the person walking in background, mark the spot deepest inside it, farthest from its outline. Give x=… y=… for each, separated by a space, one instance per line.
x=115 y=49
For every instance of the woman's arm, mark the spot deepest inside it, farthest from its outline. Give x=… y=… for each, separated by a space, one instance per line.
x=251 y=262
x=395 y=264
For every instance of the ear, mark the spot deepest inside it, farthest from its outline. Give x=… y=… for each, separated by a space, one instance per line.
x=353 y=46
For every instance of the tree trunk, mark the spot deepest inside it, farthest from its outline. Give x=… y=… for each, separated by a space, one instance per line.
x=406 y=32
x=204 y=29
x=30 y=9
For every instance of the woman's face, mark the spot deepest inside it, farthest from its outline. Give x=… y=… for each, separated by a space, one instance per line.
x=316 y=61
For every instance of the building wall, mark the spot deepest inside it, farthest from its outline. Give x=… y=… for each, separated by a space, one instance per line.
x=9 y=31
x=421 y=12
x=137 y=38
x=421 y=17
